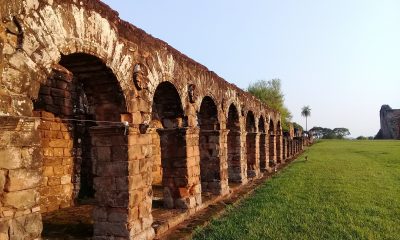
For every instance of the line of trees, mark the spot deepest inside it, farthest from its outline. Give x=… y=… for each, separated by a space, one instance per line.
x=327 y=133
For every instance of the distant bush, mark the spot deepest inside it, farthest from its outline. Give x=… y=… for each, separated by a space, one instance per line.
x=361 y=138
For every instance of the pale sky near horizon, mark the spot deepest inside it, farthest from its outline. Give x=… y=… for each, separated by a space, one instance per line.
x=340 y=57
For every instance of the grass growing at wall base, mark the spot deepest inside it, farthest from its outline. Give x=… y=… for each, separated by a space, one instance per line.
x=346 y=190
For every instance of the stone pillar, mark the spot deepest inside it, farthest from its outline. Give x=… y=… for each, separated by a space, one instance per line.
x=272 y=151
x=193 y=196
x=122 y=183
x=213 y=162
x=181 y=167
x=243 y=158
x=223 y=159
x=264 y=152
x=252 y=158
x=20 y=177
x=279 y=148
x=237 y=166
x=284 y=149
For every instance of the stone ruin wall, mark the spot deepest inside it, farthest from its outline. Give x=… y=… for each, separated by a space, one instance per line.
x=62 y=59
x=390 y=123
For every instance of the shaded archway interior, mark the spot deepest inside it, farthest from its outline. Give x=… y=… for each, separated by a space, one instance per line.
x=251 y=135
x=262 y=144
x=169 y=142
x=233 y=145
x=209 y=140
x=80 y=91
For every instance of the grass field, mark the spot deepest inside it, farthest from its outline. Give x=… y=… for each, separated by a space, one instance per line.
x=346 y=190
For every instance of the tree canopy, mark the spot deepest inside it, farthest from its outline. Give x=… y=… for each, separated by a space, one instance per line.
x=297 y=126
x=306 y=112
x=327 y=133
x=270 y=93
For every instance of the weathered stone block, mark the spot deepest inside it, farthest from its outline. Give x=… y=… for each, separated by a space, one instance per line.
x=100 y=214
x=21 y=199
x=116 y=169
x=111 y=229
x=22 y=179
x=26 y=227
x=105 y=184
x=66 y=179
x=10 y=158
x=2 y=181
x=103 y=154
x=118 y=215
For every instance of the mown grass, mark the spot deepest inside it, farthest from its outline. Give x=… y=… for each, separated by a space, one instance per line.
x=346 y=190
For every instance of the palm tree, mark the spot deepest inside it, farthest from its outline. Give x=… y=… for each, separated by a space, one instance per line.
x=306 y=112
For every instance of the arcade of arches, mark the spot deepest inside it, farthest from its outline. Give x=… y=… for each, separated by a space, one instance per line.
x=95 y=112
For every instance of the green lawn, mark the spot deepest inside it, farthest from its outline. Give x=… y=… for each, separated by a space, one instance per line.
x=346 y=190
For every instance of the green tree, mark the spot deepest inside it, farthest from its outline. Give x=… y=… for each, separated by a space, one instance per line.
x=306 y=112
x=327 y=133
x=317 y=132
x=297 y=126
x=341 y=132
x=270 y=93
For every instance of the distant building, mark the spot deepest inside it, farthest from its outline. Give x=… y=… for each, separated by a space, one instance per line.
x=390 y=123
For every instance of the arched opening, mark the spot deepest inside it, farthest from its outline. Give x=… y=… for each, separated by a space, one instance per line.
x=210 y=167
x=251 y=135
x=233 y=144
x=170 y=174
x=278 y=140
x=80 y=93
x=271 y=130
x=262 y=144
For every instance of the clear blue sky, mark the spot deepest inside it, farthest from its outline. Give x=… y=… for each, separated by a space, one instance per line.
x=341 y=57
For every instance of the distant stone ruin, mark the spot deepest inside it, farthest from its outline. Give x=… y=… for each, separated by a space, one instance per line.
x=390 y=123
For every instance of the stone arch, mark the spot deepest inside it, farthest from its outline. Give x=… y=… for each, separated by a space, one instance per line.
x=234 y=145
x=251 y=138
x=167 y=106
x=46 y=41
x=82 y=88
x=209 y=140
x=262 y=144
x=172 y=186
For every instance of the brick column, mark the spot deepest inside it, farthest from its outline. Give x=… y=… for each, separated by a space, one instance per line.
x=284 y=149
x=272 y=151
x=252 y=158
x=243 y=158
x=122 y=183
x=213 y=163
x=223 y=159
x=193 y=197
x=264 y=152
x=237 y=165
x=279 y=148
x=296 y=145
x=181 y=167
x=20 y=177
